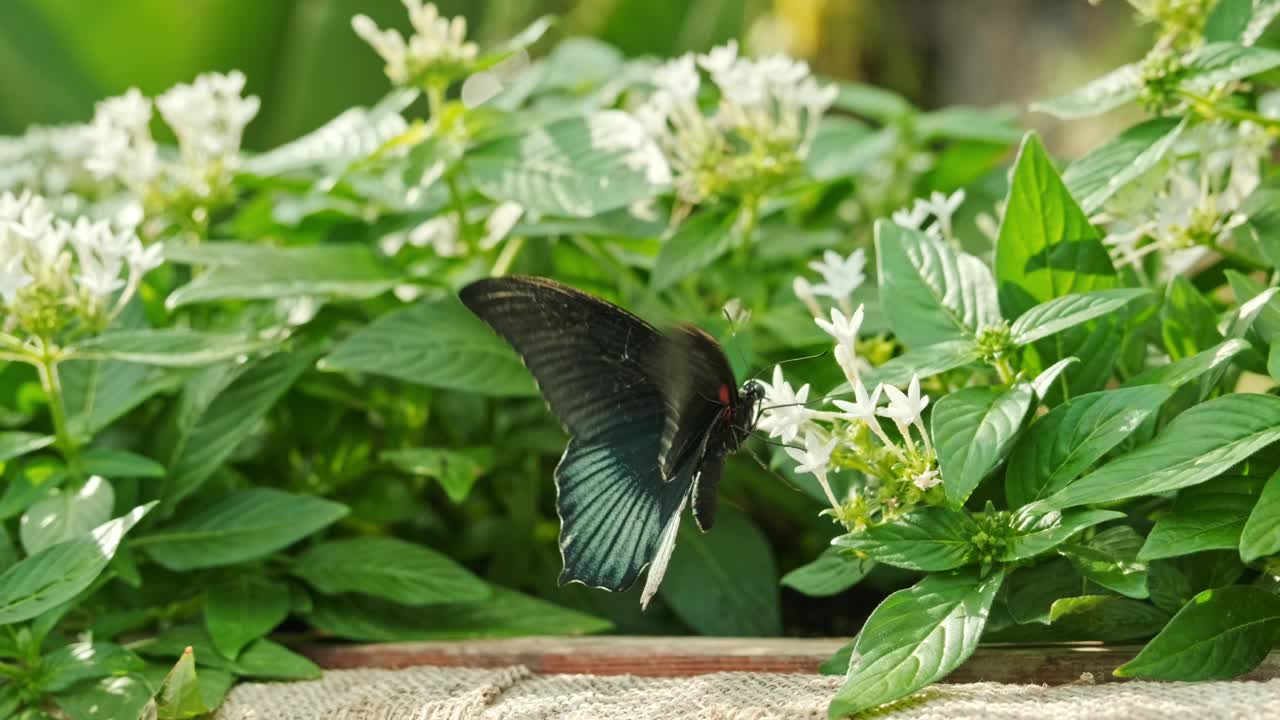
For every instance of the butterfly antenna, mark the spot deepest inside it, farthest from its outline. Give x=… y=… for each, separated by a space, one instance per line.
x=764 y=466
x=789 y=360
x=733 y=333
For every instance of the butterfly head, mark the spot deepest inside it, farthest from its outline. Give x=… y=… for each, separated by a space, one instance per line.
x=749 y=400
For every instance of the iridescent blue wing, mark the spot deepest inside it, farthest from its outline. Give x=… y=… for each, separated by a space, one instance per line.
x=595 y=364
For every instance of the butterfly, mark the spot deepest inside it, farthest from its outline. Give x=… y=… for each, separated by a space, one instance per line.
x=651 y=418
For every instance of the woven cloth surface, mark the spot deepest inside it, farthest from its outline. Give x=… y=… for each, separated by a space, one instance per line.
x=430 y=693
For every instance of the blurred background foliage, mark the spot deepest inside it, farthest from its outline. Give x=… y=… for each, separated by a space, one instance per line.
x=57 y=57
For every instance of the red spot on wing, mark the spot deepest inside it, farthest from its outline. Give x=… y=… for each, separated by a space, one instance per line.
x=724 y=394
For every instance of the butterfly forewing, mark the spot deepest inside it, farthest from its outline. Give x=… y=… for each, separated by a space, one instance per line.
x=700 y=393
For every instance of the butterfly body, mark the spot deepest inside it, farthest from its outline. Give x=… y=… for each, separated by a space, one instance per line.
x=651 y=418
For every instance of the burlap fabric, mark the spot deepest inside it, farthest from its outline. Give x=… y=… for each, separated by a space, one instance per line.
x=429 y=693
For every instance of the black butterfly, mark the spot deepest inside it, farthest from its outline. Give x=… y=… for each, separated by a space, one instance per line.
x=651 y=416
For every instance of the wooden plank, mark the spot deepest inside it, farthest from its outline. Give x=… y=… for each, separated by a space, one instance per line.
x=681 y=656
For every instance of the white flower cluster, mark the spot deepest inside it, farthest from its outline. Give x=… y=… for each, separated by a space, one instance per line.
x=841 y=276
x=762 y=127
x=933 y=215
x=51 y=269
x=1189 y=203
x=788 y=417
x=436 y=51
x=116 y=152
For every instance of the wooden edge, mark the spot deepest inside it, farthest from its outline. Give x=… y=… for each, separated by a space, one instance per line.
x=681 y=656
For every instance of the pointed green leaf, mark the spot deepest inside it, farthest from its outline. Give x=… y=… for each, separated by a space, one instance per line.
x=930 y=539
x=168 y=347
x=242 y=609
x=250 y=524
x=457 y=470
x=1197 y=522
x=914 y=638
x=1261 y=534
x=974 y=429
x=831 y=573
x=1054 y=316
x=924 y=362
x=263 y=272
x=1046 y=246
x=1060 y=446
x=179 y=697
x=1220 y=634
x=1116 y=88
x=1199 y=444
x=15 y=444
x=388 y=568
x=1098 y=176
x=1110 y=559
x=65 y=515
x=438 y=344
x=700 y=241
x=1037 y=534
x=930 y=292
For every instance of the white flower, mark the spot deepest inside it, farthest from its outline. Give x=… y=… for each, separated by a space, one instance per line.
x=13 y=277
x=905 y=409
x=944 y=208
x=804 y=290
x=843 y=329
x=122 y=146
x=814 y=459
x=840 y=276
x=864 y=409
x=785 y=414
x=926 y=479
x=865 y=405
x=441 y=234
x=209 y=115
x=438 y=44
x=913 y=219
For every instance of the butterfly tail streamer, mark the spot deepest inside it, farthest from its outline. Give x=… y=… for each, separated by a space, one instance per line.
x=658 y=568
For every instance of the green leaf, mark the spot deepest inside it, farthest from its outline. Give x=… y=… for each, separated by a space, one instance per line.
x=1217 y=63
x=1258 y=307
x=16 y=444
x=1032 y=590
x=271 y=661
x=1110 y=618
x=700 y=241
x=924 y=362
x=218 y=409
x=57 y=574
x=1097 y=177
x=930 y=539
x=352 y=135
x=97 y=392
x=1188 y=321
x=838 y=663
x=263 y=272
x=65 y=515
x=457 y=470
x=579 y=167
x=34 y=481
x=871 y=101
x=168 y=347
x=119 y=464
x=1060 y=446
x=1261 y=534
x=1043 y=384
x=1199 y=444
x=244 y=526
x=179 y=697
x=914 y=638
x=243 y=608
x=724 y=582
x=1116 y=88
x=1046 y=246
x=995 y=125
x=1179 y=373
x=931 y=293
x=1199 y=521
x=1110 y=559
x=388 y=568
x=112 y=697
x=974 y=430
x=505 y=613
x=845 y=147
x=79 y=661
x=1220 y=634
x=1037 y=534
x=438 y=344
x=1054 y=316
x=1228 y=20
x=831 y=573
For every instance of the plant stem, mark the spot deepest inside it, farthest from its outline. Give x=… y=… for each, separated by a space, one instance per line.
x=1002 y=367
x=1212 y=109
x=47 y=368
x=455 y=199
x=507 y=256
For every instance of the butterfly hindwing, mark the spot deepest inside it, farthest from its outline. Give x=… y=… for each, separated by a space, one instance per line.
x=595 y=364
